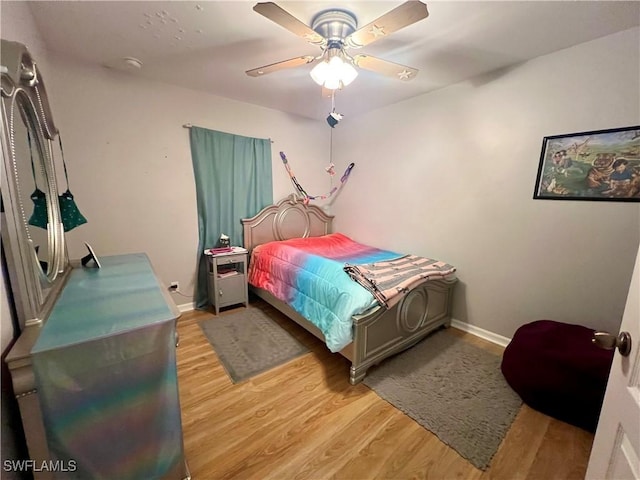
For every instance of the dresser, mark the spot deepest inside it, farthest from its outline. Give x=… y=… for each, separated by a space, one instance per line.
x=103 y=376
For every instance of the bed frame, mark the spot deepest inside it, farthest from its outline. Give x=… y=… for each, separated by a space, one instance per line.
x=378 y=333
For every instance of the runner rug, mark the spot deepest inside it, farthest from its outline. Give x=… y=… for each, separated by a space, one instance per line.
x=248 y=342
x=455 y=390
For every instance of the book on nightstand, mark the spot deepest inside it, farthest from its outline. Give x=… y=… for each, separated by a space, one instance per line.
x=224 y=250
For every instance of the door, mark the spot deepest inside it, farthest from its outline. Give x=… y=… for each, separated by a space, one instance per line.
x=616 y=448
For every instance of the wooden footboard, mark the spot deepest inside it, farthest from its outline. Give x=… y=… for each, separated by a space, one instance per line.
x=381 y=333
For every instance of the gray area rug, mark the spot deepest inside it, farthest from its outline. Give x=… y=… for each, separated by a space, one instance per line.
x=248 y=342
x=455 y=390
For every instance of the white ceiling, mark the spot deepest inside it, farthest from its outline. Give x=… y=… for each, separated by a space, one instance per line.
x=208 y=45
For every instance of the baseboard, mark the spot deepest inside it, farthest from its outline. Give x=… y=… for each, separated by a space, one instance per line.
x=465 y=327
x=187 y=307
x=481 y=332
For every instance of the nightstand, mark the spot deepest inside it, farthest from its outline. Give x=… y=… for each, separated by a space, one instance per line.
x=228 y=278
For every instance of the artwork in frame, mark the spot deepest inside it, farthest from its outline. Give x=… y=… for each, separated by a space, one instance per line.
x=596 y=165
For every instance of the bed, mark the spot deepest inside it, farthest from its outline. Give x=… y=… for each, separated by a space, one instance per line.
x=379 y=331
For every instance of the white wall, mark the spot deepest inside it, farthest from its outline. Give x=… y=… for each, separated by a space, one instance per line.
x=130 y=164
x=17 y=24
x=451 y=175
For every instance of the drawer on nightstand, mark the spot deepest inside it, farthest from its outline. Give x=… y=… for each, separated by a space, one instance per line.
x=229 y=260
x=240 y=257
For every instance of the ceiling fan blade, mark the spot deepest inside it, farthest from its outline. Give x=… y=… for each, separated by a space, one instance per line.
x=402 y=16
x=283 y=18
x=384 y=67
x=274 y=67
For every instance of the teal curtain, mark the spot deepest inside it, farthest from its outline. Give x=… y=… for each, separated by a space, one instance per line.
x=233 y=181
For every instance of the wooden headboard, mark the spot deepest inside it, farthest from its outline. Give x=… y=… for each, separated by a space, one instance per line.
x=289 y=218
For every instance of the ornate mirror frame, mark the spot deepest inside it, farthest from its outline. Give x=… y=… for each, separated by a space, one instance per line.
x=36 y=257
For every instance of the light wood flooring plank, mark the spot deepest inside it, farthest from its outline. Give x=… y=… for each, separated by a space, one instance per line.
x=520 y=447
x=575 y=445
x=303 y=420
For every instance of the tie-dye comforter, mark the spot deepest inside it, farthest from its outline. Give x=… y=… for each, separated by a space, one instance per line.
x=308 y=274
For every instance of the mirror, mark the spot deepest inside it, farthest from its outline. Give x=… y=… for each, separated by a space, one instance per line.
x=32 y=231
x=33 y=200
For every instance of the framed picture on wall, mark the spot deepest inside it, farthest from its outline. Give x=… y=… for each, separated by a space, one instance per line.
x=597 y=165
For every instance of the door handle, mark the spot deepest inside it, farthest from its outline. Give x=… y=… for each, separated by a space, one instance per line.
x=609 y=342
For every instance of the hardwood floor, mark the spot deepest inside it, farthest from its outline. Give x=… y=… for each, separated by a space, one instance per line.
x=303 y=420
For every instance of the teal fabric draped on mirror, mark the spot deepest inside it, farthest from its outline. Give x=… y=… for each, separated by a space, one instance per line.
x=233 y=181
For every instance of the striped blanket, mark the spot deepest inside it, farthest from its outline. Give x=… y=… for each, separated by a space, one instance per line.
x=389 y=280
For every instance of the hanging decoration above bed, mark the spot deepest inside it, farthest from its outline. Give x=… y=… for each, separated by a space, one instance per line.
x=332 y=120
x=330 y=170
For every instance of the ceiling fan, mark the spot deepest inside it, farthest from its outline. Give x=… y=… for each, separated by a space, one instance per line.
x=336 y=31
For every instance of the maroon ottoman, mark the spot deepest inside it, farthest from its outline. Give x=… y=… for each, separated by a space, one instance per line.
x=557 y=370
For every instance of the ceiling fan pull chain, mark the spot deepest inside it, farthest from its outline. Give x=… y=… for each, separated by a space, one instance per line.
x=331 y=146
x=329 y=169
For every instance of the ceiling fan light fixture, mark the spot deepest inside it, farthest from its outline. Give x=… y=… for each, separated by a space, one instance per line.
x=348 y=73
x=319 y=72
x=333 y=71
x=332 y=83
x=336 y=30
